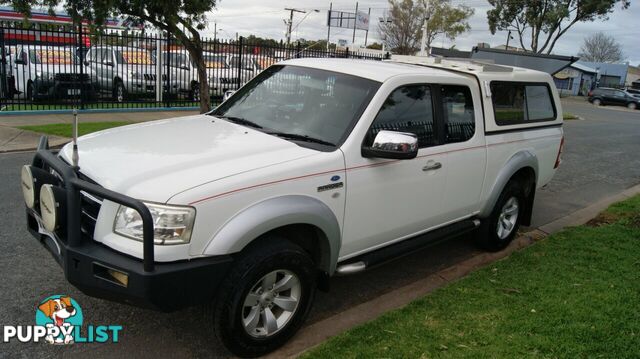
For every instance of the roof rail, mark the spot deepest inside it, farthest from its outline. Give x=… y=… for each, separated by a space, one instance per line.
x=467 y=65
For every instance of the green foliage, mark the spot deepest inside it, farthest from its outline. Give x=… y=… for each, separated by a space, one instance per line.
x=545 y=21
x=573 y=295
x=403 y=34
x=375 y=46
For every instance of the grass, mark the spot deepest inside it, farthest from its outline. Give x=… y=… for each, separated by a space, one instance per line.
x=575 y=294
x=569 y=116
x=65 y=130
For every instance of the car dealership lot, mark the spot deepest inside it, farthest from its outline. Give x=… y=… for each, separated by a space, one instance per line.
x=600 y=159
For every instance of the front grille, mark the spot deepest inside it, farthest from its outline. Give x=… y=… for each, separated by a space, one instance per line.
x=150 y=77
x=72 y=77
x=90 y=205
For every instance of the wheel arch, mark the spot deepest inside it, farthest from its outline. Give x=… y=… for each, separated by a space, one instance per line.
x=524 y=166
x=304 y=220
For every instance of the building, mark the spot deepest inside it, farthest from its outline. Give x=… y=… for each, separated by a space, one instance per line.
x=575 y=80
x=633 y=77
x=609 y=75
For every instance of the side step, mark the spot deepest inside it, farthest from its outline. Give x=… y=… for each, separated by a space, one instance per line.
x=408 y=246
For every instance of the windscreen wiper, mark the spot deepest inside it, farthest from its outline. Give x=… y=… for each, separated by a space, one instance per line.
x=299 y=137
x=239 y=121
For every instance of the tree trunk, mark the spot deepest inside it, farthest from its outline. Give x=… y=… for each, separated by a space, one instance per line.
x=203 y=81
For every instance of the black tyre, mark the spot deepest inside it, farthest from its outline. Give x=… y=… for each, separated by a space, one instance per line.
x=499 y=229
x=632 y=105
x=597 y=102
x=265 y=298
x=194 y=94
x=118 y=91
x=30 y=92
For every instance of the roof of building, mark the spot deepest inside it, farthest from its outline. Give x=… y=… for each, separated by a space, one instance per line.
x=583 y=68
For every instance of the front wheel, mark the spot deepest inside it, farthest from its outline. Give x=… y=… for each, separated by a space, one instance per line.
x=499 y=229
x=265 y=298
x=632 y=106
x=597 y=102
x=118 y=92
x=195 y=92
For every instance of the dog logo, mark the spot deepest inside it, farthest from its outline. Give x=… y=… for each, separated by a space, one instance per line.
x=60 y=315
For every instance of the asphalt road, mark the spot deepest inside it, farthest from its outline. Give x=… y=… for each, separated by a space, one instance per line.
x=601 y=158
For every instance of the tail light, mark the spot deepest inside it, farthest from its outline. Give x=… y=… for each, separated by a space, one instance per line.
x=559 y=159
x=590 y=93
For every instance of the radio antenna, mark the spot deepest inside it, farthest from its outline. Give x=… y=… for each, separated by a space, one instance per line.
x=74 y=156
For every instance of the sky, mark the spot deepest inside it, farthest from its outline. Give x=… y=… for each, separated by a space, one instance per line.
x=266 y=19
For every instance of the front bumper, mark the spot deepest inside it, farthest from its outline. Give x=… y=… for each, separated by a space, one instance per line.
x=89 y=265
x=63 y=90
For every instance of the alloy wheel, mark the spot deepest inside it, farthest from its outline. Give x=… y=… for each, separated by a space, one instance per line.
x=508 y=218
x=271 y=303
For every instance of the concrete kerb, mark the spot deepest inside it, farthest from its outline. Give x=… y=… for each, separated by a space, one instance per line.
x=316 y=333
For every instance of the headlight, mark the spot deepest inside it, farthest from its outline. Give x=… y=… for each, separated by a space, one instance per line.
x=172 y=224
x=28 y=187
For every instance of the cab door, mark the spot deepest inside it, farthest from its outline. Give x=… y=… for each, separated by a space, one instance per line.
x=389 y=200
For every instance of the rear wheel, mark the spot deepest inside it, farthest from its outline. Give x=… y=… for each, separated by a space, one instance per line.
x=597 y=102
x=265 y=298
x=499 y=229
x=195 y=92
x=632 y=105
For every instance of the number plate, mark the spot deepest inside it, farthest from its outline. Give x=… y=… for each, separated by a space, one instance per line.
x=73 y=91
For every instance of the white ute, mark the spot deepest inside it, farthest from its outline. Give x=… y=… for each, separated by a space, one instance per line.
x=314 y=168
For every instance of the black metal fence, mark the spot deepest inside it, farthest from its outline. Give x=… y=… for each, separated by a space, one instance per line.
x=44 y=69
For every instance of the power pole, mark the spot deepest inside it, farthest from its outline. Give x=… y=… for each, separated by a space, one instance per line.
x=423 y=43
x=290 y=22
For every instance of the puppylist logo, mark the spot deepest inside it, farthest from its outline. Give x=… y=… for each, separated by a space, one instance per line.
x=59 y=321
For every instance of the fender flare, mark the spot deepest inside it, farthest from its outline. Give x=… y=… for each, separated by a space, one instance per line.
x=260 y=218
x=518 y=161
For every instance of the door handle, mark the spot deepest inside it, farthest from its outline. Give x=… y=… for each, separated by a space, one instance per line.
x=432 y=166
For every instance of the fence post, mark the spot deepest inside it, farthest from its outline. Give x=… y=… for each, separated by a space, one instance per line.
x=240 y=53
x=298 y=50
x=3 y=63
x=346 y=53
x=167 y=97
x=158 y=71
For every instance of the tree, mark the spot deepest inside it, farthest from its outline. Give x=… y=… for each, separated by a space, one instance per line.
x=601 y=47
x=181 y=19
x=404 y=32
x=543 y=22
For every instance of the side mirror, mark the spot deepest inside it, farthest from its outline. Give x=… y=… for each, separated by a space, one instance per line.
x=393 y=145
x=86 y=63
x=18 y=61
x=107 y=62
x=227 y=94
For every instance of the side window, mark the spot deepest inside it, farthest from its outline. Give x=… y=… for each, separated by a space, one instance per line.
x=539 y=106
x=407 y=109
x=457 y=106
x=516 y=103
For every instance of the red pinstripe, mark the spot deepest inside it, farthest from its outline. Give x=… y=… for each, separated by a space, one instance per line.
x=352 y=168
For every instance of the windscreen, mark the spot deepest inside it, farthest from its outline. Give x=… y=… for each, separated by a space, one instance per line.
x=303 y=101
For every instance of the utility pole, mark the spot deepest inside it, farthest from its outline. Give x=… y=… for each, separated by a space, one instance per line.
x=329 y=25
x=355 y=23
x=423 y=43
x=366 y=36
x=290 y=22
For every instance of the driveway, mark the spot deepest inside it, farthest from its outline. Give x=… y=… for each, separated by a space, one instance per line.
x=600 y=159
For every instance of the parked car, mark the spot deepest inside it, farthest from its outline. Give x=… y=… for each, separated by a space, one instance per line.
x=316 y=167
x=121 y=71
x=611 y=96
x=633 y=92
x=49 y=72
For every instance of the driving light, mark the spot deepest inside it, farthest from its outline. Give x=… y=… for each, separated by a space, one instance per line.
x=172 y=224
x=48 y=208
x=28 y=186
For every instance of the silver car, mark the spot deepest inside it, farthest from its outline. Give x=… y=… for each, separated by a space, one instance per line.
x=122 y=71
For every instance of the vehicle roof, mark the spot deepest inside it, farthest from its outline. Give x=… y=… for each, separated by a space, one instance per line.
x=120 y=47
x=413 y=65
x=374 y=70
